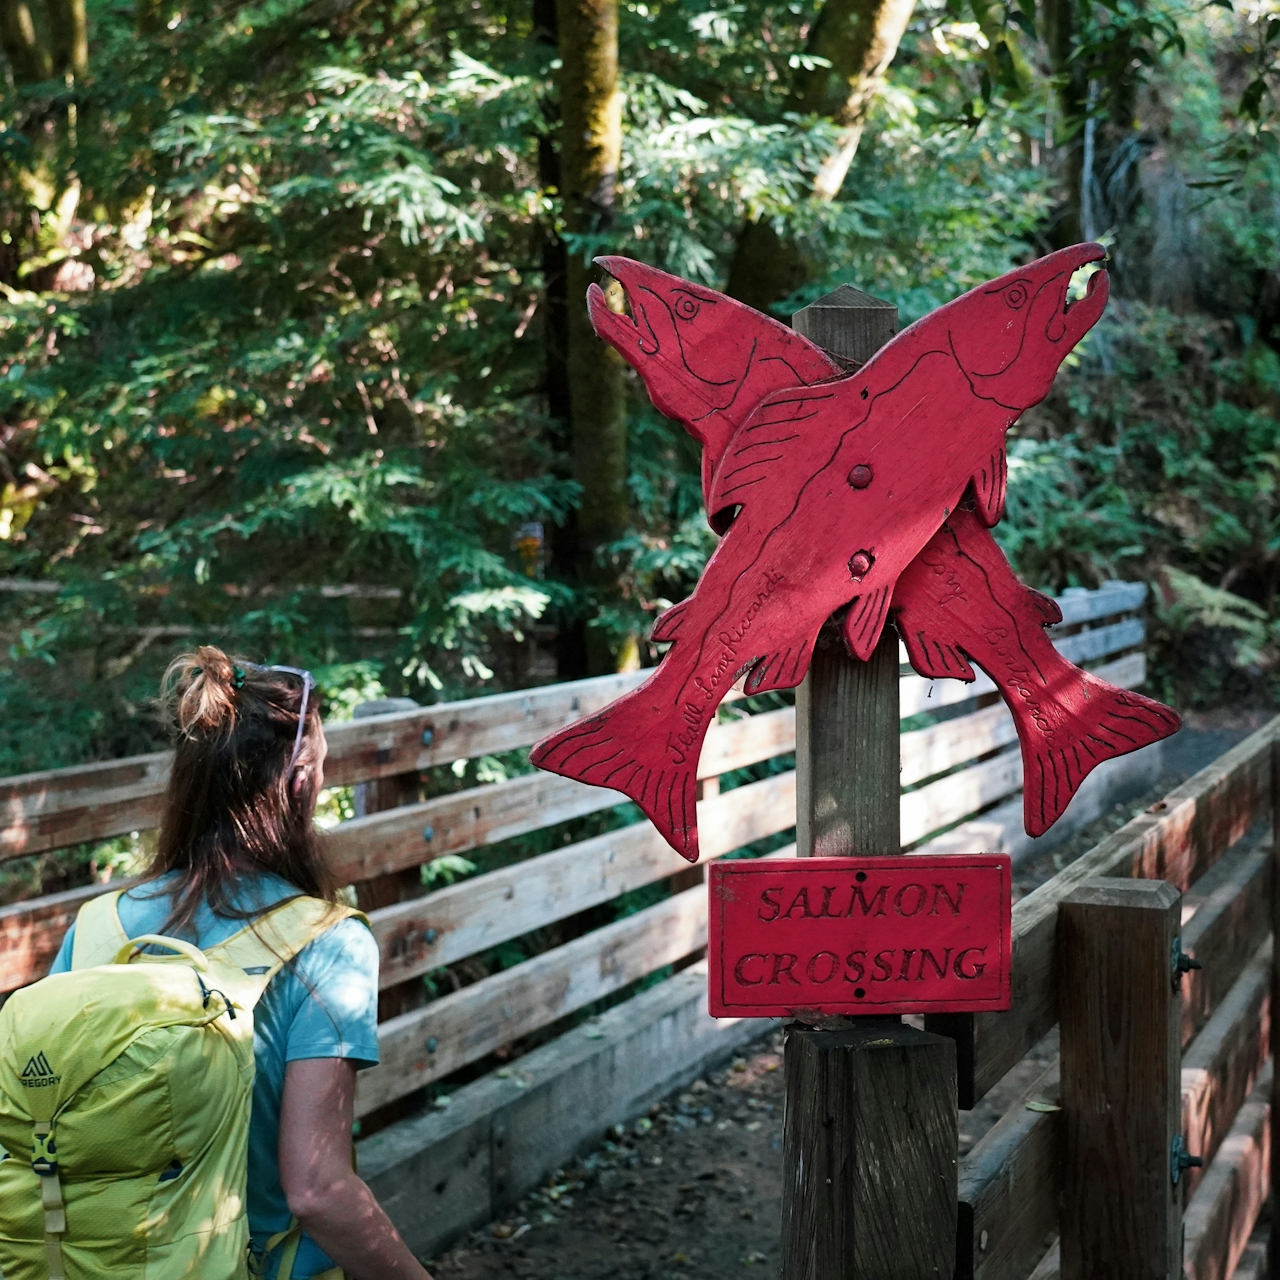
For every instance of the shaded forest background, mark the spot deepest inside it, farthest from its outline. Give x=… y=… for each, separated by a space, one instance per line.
x=293 y=355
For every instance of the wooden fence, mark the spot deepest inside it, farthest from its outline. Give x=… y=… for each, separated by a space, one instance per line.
x=959 y=757
x=1012 y=1183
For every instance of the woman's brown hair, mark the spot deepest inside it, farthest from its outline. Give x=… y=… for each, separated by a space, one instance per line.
x=231 y=808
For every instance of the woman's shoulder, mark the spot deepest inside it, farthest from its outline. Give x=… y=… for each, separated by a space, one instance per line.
x=347 y=946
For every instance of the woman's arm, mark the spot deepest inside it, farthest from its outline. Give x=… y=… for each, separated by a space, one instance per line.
x=333 y=1205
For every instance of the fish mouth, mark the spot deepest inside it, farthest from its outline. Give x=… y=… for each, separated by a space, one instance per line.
x=1073 y=318
x=627 y=330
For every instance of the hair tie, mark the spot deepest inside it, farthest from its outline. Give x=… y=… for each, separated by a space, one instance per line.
x=237 y=677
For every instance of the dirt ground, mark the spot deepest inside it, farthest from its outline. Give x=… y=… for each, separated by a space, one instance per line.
x=693 y=1188
x=690 y=1190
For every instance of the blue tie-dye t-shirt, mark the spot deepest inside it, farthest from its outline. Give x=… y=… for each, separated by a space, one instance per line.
x=324 y=1006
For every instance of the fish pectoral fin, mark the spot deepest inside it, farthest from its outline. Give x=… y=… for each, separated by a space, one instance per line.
x=865 y=621
x=782 y=669
x=1046 y=607
x=669 y=621
x=989 y=483
x=933 y=657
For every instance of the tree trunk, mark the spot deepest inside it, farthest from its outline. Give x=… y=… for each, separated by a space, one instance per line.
x=859 y=38
x=1071 y=101
x=590 y=152
x=28 y=62
x=570 y=624
x=69 y=42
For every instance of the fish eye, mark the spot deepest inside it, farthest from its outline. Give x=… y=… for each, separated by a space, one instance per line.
x=1015 y=296
x=686 y=307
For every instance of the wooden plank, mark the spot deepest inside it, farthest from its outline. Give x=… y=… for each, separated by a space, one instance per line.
x=950 y=743
x=1223 y=934
x=939 y=804
x=31 y=932
x=391 y=792
x=49 y=810
x=473 y=915
x=40 y=811
x=1188 y=832
x=942 y=747
x=1078 y=604
x=1121 y=1084
x=381 y=842
x=60 y=807
x=1010 y=1185
x=1222 y=1064
x=917 y=696
x=1221 y=1215
x=467 y=1025
x=1098 y=642
x=734 y=744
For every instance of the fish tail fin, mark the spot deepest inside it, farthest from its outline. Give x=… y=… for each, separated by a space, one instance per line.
x=1092 y=721
x=628 y=747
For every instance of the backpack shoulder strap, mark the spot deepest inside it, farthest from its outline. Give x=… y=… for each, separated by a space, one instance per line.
x=99 y=933
x=253 y=956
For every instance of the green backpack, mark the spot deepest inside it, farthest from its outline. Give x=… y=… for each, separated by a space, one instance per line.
x=125 y=1091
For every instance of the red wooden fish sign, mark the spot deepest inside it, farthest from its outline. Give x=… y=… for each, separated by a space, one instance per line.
x=870 y=492
x=915 y=934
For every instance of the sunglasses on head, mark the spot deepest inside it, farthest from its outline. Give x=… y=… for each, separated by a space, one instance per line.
x=308 y=683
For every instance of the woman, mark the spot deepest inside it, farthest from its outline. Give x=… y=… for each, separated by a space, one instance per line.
x=236 y=839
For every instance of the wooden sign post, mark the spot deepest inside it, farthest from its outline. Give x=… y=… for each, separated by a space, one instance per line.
x=870 y=1138
x=854 y=477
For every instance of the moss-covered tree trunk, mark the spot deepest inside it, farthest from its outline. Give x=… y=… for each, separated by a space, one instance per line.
x=28 y=61
x=69 y=39
x=1058 y=21
x=590 y=152
x=859 y=39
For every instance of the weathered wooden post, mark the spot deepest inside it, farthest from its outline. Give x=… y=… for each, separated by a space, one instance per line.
x=1121 y=1080
x=869 y=1135
x=374 y=797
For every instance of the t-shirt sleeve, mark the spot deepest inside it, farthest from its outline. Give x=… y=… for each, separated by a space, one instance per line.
x=337 y=1016
x=62 y=961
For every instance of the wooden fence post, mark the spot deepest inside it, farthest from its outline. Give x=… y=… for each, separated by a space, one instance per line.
x=385 y=891
x=869 y=1134
x=1121 y=1080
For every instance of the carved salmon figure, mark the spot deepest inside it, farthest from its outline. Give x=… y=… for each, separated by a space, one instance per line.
x=959 y=601
x=826 y=487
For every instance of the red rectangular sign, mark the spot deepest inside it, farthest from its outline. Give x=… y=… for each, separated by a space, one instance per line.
x=912 y=934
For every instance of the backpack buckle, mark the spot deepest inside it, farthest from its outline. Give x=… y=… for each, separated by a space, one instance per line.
x=44 y=1155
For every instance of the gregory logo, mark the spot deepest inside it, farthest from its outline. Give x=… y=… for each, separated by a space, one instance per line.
x=38 y=1074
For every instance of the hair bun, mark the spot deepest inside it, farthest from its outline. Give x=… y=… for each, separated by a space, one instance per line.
x=205 y=683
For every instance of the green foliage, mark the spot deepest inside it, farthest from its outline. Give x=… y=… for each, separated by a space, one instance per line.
x=273 y=345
